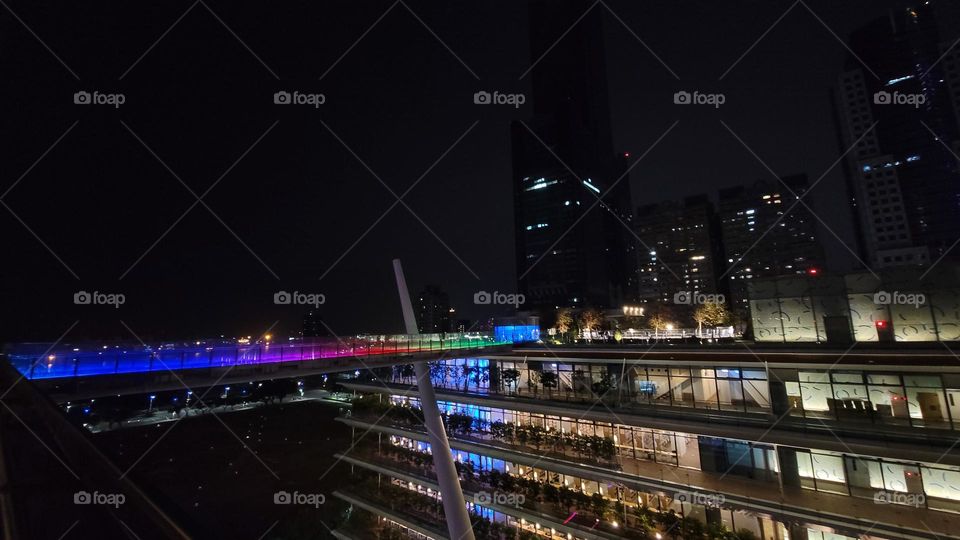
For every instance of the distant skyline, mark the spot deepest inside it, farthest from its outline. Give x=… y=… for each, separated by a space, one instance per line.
x=298 y=204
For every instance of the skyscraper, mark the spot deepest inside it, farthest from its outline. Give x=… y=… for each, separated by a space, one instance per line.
x=432 y=308
x=761 y=238
x=571 y=249
x=681 y=248
x=903 y=181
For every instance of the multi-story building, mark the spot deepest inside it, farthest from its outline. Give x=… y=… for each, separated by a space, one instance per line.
x=580 y=443
x=313 y=325
x=432 y=309
x=572 y=205
x=766 y=233
x=899 y=118
x=901 y=304
x=679 y=248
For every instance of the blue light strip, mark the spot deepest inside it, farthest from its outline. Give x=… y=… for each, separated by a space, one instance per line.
x=113 y=360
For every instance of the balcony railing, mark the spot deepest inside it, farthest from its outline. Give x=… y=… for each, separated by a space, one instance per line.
x=35 y=361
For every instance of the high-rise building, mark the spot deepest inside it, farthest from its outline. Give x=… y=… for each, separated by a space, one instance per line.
x=680 y=249
x=313 y=325
x=432 y=308
x=767 y=233
x=903 y=180
x=571 y=249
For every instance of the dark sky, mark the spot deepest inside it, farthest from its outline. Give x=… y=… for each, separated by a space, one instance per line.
x=299 y=205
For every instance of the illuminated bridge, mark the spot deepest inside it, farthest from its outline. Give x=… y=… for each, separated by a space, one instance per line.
x=35 y=361
x=92 y=370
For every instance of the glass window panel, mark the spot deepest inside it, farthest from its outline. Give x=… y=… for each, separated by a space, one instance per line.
x=883 y=378
x=941 y=483
x=851 y=378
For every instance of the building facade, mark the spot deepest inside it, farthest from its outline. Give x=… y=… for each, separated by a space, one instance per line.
x=572 y=205
x=432 y=309
x=767 y=232
x=901 y=127
x=679 y=248
x=564 y=444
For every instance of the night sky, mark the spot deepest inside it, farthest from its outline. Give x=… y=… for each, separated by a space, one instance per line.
x=289 y=203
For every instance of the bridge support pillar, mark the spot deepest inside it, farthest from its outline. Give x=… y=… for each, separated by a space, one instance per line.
x=454 y=506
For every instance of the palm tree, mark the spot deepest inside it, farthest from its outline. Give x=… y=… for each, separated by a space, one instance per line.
x=510 y=376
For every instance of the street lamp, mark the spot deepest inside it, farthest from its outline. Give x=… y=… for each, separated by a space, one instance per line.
x=152 y=397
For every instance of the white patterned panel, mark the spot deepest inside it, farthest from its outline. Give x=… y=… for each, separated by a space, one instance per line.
x=864 y=313
x=912 y=323
x=798 y=319
x=946 y=310
x=766 y=320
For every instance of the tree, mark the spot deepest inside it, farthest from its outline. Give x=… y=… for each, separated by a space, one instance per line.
x=658 y=322
x=533 y=380
x=590 y=319
x=564 y=321
x=549 y=379
x=710 y=314
x=510 y=376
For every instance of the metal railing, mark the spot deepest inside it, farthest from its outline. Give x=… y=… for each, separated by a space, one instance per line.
x=34 y=361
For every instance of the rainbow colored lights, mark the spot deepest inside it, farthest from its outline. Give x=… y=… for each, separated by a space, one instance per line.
x=34 y=362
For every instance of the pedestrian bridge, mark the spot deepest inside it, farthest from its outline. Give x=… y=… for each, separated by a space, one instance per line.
x=38 y=361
